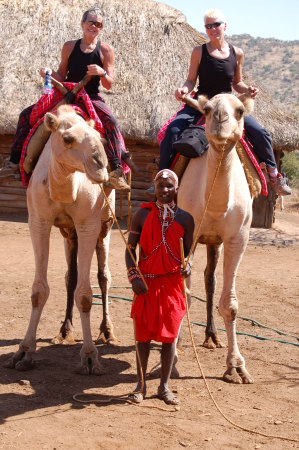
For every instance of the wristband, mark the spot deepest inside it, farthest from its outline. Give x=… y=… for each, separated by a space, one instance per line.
x=104 y=74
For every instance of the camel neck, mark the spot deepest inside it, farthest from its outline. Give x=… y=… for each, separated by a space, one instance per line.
x=221 y=159
x=61 y=183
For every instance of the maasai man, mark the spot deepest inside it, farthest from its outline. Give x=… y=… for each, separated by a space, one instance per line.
x=158 y=311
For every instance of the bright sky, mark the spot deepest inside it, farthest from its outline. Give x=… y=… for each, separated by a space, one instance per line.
x=259 y=18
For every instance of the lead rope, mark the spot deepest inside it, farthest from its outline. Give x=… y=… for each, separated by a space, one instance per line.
x=240 y=427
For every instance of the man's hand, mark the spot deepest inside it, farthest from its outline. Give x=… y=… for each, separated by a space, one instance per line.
x=138 y=286
x=187 y=271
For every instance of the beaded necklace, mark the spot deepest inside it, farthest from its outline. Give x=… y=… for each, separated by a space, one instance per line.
x=167 y=213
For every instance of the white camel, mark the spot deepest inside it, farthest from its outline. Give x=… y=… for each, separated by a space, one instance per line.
x=65 y=191
x=226 y=204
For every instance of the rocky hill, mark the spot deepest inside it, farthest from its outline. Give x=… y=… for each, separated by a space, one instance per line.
x=274 y=65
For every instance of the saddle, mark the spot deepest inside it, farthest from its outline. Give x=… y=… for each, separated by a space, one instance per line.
x=254 y=175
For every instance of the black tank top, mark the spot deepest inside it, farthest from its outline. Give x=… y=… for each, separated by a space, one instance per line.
x=216 y=75
x=77 y=66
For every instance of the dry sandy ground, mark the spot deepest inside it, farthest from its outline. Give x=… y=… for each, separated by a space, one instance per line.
x=40 y=413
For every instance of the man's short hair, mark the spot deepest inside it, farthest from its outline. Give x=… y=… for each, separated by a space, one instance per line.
x=93 y=10
x=214 y=14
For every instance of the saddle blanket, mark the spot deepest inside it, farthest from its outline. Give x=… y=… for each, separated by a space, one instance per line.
x=244 y=141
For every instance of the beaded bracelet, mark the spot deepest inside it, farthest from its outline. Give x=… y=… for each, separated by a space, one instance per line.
x=132 y=274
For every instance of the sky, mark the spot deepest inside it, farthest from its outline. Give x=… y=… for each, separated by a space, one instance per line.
x=277 y=19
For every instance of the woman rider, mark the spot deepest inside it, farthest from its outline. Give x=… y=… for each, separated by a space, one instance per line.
x=78 y=58
x=218 y=67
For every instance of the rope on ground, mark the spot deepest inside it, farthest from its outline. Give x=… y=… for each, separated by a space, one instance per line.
x=122 y=398
x=234 y=424
x=241 y=333
x=262 y=338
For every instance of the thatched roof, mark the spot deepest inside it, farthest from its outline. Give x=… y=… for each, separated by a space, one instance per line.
x=152 y=45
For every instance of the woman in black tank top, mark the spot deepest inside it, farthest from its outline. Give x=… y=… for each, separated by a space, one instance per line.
x=78 y=58
x=217 y=67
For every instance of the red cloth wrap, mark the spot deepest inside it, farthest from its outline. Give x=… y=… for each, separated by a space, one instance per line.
x=158 y=313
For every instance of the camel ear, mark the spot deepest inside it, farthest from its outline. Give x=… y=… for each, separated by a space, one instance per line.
x=248 y=103
x=51 y=122
x=202 y=101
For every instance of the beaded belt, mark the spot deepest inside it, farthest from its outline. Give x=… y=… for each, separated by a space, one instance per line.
x=159 y=275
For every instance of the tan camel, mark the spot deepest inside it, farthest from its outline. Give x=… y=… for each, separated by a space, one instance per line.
x=64 y=191
x=227 y=214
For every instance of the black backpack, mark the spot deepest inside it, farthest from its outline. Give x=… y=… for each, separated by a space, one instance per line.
x=192 y=142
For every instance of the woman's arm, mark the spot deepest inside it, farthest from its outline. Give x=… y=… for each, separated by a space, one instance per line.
x=60 y=74
x=189 y=84
x=107 y=72
x=238 y=83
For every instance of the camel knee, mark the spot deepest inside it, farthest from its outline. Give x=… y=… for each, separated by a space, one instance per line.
x=84 y=301
x=39 y=295
x=228 y=309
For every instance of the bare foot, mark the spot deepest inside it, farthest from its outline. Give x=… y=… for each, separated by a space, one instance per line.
x=168 y=397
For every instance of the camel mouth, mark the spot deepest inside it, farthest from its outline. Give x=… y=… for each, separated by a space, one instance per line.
x=96 y=174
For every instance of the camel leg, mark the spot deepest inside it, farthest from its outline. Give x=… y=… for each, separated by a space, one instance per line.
x=65 y=335
x=213 y=253
x=106 y=334
x=40 y=236
x=228 y=308
x=87 y=239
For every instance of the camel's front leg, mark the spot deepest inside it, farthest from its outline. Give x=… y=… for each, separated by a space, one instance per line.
x=106 y=335
x=228 y=307
x=40 y=236
x=213 y=252
x=65 y=335
x=87 y=238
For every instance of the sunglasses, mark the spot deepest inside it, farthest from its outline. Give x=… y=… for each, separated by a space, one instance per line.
x=214 y=25
x=96 y=24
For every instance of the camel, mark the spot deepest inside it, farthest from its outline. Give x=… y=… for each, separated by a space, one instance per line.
x=64 y=191
x=222 y=220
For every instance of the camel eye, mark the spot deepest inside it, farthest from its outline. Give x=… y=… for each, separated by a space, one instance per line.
x=240 y=111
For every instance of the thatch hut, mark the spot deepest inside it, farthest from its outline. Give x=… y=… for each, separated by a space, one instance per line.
x=152 y=43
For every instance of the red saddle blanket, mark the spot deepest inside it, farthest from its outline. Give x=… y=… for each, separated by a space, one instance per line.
x=244 y=141
x=46 y=103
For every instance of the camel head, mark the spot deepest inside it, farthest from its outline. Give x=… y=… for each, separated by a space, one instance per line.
x=224 y=115
x=76 y=145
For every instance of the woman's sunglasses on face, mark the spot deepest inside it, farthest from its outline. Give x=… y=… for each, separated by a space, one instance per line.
x=95 y=23
x=214 y=25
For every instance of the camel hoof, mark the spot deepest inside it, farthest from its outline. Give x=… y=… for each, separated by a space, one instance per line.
x=212 y=341
x=24 y=365
x=208 y=343
x=98 y=370
x=67 y=340
x=101 y=339
x=10 y=364
x=83 y=370
x=237 y=375
x=107 y=337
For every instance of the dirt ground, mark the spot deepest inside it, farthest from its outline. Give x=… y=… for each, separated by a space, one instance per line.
x=37 y=409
